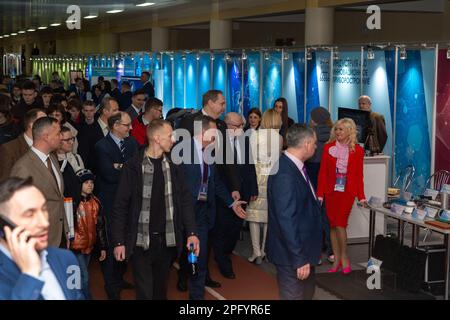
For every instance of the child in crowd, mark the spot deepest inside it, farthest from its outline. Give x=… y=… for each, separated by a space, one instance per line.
x=89 y=228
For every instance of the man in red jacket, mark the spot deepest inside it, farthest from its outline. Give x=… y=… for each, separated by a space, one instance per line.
x=152 y=110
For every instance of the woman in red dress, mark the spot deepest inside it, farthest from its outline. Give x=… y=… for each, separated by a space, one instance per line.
x=340 y=182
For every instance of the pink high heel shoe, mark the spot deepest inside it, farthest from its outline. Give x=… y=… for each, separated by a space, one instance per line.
x=347 y=269
x=334 y=270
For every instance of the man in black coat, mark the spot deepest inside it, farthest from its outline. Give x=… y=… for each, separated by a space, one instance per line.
x=111 y=153
x=147 y=86
x=167 y=208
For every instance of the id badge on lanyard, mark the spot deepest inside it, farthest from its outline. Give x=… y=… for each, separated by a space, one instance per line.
x=203 y=192
x=341 y=179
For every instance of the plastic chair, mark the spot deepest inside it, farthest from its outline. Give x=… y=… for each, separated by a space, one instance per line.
x=405 y=177
x=439 y=178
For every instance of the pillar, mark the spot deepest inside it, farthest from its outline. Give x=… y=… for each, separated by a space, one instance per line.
x=220 y=34
x=319 y=24
x=160 y=39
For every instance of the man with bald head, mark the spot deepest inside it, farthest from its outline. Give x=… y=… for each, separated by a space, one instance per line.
x=228 y=225
x=378 y=124
x=111 y=153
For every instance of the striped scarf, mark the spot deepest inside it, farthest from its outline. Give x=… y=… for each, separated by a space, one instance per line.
x=143 y=237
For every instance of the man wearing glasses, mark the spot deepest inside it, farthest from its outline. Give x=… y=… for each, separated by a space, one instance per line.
x=228 y=225
x=153 y=110
x=111 y=153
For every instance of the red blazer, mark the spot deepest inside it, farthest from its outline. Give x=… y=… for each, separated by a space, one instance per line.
x=327 y=174
x=139 y=131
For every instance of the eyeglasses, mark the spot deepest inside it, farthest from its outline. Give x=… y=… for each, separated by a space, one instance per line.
x=128 y=125
x=69 y=139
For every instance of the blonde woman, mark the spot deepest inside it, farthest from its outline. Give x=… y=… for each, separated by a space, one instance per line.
x=340 y=182
x=266 y=144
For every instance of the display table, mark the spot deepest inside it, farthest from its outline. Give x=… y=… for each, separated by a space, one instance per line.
x=376 y=179
x=382 y=212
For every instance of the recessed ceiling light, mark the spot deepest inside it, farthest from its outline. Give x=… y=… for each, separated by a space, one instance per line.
x=22 y=31
x=93 y=16
x=14 y=34
x=115 y=11
x=145 y=4
x=31 y=30
x=55 y=24
x=72 y=21
x=42 y=28
x=1 y=37
x=6 y=36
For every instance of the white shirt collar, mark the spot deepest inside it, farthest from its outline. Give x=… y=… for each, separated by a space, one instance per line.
x=145 y=121
x=103 y=126
x=136 y=109
x=40 y=154
x=28 y=140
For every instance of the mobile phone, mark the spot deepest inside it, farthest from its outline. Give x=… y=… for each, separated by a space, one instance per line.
x=4 y=221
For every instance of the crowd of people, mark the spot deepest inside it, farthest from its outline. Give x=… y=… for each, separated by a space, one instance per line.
x=109 y=152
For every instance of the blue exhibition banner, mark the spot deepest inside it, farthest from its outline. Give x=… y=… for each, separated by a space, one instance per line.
x=128 y=67
x=318 y=81
x=167 y=64
x=298 y=73
x=191 y=81
x=235 y=94
x=204 y=81
x=253 y=79
x=105 y=72
x=271 y=79
x=346 y=81
x=178 y=81
x=412 y=139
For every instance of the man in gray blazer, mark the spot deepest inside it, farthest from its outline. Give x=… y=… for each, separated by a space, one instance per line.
x=40 y=164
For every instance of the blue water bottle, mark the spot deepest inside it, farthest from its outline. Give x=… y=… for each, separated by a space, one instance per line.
x=192 y=259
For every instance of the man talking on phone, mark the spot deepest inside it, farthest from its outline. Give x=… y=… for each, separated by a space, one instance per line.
x=29 y=269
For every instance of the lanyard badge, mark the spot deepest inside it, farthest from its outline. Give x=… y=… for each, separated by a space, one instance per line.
x=341 y=179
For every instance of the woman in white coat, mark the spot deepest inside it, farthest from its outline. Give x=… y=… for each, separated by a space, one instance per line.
x=266 y=145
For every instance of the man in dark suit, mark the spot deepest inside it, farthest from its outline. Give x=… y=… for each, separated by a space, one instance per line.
x=30 y=100
x=153 y=246
x=30 y=269
x=204 y=186
x=137 y=106
x=111 y=153
x=125 y=97
x=41 y=164
x=13 y=150
x=92 y=130
x=213 y=103
x=115 y=91
x=228 y=225
x=78 y=89
x=147 y=85
x=294 y=236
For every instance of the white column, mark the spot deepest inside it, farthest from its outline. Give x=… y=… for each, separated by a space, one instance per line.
x=220 y=34
x=160 y=39
x=319 y=23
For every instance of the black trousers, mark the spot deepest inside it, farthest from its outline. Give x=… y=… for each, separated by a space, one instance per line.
x=291 y=288
x=151 y=268
x=225 y=235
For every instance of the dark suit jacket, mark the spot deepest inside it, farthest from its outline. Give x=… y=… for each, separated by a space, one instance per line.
x=247 y=172
x=15 y=285
x=31 y=166
x=125 y=100
x=11 y=152
x=128 y=204
x=149 y=89
x=216 y=188
x=379 y=129
x=115 y=94
x=132 y=113
x=294 y=236
x=88 y=136
x=228 y=172
x=107 y=153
